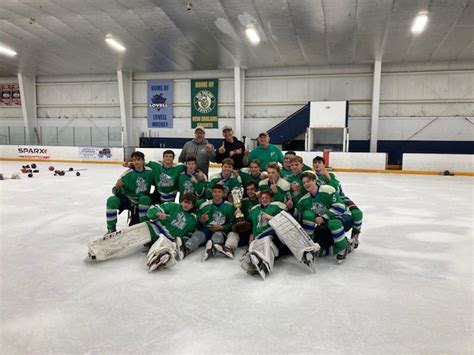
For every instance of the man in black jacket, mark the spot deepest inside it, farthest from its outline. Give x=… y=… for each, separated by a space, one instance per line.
x=231 y=148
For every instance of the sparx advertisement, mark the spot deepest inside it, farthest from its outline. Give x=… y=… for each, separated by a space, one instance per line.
x=204 y=103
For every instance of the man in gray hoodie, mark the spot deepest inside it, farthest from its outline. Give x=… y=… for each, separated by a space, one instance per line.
x=200 y=148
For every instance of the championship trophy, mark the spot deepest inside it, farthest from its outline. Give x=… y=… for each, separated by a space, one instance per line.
x=240 y=225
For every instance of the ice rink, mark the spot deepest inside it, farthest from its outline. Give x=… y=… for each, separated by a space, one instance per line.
x=407 y=289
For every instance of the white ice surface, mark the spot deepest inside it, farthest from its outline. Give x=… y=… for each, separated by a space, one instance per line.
x=407 y=289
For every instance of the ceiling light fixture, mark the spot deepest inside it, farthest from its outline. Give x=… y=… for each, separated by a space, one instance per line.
x=252 y=35
x=420 y=22
x=114 y=44
x=7 y=51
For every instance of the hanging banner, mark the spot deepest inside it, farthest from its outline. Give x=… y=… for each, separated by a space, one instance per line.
x=16 y=100
x=160 y=103
x=6 y=98
x=204 y=103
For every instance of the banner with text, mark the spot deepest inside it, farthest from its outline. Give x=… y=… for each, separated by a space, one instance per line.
x=93 y=153
x=204 y=103
x=160 y=103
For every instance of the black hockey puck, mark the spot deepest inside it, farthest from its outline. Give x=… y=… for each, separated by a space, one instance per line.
x=30 y=175
x=33 y=166
x=71 y=169
x=36 y=171
x=78 y=173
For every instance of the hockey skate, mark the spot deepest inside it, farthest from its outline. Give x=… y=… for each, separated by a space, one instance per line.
x=355 y=239
x=259 y=265
x=341 y=256
x=181 y=250
x=309 y=259
x=208 y=250
x=158 y=261
x=224 y=250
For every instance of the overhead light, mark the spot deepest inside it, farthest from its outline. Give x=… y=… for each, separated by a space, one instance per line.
x=7 y=51
x=252 y=35
x=420 y=22
x=114 y=44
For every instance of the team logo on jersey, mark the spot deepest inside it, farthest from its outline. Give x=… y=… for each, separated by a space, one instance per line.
x=142 y=186
x=204 y=101
x=261 y=222
x=319 y=208
x=179 y=221
x=272 y=154
x=188 y=186
x=166 y=180
x=217 y=218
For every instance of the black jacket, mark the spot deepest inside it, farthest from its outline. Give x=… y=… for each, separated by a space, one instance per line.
x=237 y=158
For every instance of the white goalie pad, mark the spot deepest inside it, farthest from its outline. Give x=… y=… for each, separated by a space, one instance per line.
x=292 y=234
x=265 y=252
x=162 y=254
x=113 y=243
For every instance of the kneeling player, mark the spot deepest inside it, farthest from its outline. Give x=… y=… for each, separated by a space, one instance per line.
x=216 y=217
x=327 y=178
x=323 y=206
x=169 y=223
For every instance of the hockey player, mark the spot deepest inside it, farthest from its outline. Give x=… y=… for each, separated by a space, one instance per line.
x=252 y=173
x=327 y=178
x=131 y=191
x=170 y=224
x=323 y=206
x=248 y=202
x=279 y=187
x=191 y=180
x=262 y=251
x=216 y=217
x=265 y=152
x=225 y=178
x=286 y=169
x=297 y=188
x=166 y=177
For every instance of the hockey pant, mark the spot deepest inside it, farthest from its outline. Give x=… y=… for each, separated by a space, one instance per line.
x=356 y=213
x=199 y=237
x=336 y=225
x=117 y=204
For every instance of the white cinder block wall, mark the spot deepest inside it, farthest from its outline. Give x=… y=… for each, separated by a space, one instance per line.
x=418 y=102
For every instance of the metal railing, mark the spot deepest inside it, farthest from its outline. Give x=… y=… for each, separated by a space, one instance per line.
x=64 y=136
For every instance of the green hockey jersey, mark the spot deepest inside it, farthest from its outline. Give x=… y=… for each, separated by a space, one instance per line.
x=185 y=184
x=135 y=184
x=283 y=193
x=228 y=183
x=260 y=226
x=325 y=203
x=222 y=214
x=178 y=223
x=166 y=179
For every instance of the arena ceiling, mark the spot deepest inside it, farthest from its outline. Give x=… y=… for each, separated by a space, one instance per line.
x=68 y=36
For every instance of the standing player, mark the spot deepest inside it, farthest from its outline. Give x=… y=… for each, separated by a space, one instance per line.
x=327 y=178
x=297 y=188
x=131 y=191
x=323 y=206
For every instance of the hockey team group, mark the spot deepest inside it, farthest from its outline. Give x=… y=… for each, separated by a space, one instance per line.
x=268 y=201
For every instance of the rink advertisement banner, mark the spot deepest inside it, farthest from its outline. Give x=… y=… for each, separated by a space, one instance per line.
x=92 y=153
x=33 y=152
x=160 y=103
x=204 y=103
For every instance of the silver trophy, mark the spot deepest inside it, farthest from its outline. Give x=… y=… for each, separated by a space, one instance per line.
x=240 y=225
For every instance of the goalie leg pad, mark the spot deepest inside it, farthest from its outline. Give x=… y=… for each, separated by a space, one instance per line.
x=113 y=243
x=265 y=250
x=291 y=233
x=161 y=247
